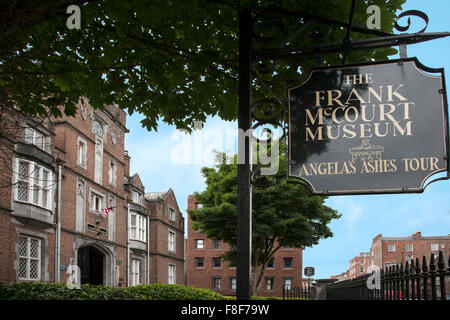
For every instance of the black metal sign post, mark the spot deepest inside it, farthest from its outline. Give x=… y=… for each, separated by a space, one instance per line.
x=309 y=272
x=244 y=187
x=247 y=56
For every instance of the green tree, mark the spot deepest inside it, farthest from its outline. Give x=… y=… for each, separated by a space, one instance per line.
x=170 y=59
x=284 y=214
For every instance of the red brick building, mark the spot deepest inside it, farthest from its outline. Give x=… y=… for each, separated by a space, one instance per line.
x=27 y=205
x=71 y=202
x=166 y=238
x=386 y=251
x=359 y=264
x=205 y=268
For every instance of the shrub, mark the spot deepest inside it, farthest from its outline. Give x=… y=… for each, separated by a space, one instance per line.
x=60 y=291
x=159 y=291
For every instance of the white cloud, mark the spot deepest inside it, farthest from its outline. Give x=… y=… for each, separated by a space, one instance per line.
x=350 y=210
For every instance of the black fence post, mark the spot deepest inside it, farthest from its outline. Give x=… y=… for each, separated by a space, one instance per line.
x=425 y=277
x=386 y=283
x=390 y=283
x=413 y=278
x=441 y=271
x=418 y=278
x=402 y=282
x=396 y=282
x=433 y=276
x=407 y=281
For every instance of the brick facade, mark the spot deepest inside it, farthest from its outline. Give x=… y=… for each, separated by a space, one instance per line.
x=359 y=265
x=95 y=175
x=393 y=250
x=209 y=274
x=166 y=218
x=387 y=251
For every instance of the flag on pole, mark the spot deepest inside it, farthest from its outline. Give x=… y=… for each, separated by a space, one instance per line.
x=105 y=211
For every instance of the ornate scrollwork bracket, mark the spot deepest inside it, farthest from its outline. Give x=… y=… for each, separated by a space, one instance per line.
x=408 y=13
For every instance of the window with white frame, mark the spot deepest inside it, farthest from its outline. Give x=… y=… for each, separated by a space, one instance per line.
x=82 y=153
x=97 y=201
x=269 y=283
x=37 y=138
x=217 y=283
x=138 y=227
x=29 y=258
x=172 y=274
x=391 y=247
x=409 y=258
x=287 y=283
x=137 y=197
x=135 y=272
x=171 y=214
x=409 y=247
x=200 y=243
x=112 y=172
x=33 y=183
x=434 y=247
x=233 y=283
x=171 y=241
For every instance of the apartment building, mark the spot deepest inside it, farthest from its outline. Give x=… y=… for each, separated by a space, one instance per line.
x=359 y=264
x=386 y=251
x=206 y=269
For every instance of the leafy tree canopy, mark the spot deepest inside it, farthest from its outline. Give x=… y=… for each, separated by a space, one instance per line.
x=170 y=59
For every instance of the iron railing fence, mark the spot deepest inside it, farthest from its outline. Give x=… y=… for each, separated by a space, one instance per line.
x=412 y=281
x=291 y=293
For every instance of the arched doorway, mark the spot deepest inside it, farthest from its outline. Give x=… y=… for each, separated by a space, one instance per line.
x=91 y=262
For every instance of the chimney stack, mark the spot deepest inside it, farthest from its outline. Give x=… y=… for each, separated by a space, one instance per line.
x=417 y=235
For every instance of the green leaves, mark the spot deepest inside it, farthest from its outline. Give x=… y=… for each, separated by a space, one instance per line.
x=60 y=291
x=185 y=52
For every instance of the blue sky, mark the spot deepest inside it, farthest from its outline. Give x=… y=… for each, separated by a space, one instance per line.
x=363 y=217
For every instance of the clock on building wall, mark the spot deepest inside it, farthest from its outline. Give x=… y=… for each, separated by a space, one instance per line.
x=97 y=128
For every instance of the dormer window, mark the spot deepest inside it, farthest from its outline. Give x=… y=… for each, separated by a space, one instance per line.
x=137 y=197
x=37 y=138
x=171 y=214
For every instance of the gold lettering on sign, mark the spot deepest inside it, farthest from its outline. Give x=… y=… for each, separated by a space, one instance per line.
x=369 y=166
x=383 y=110
x=423 y=164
